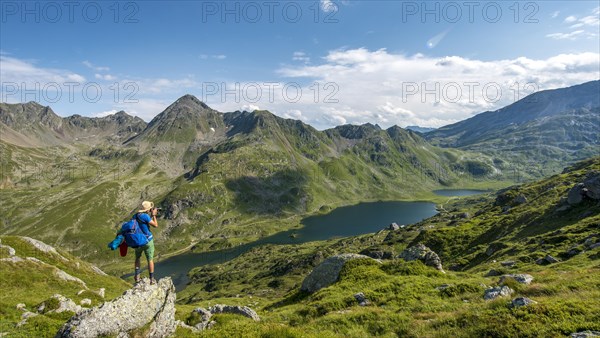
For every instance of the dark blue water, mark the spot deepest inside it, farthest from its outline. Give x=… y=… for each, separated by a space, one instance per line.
x=341 y=222
x=458 y=192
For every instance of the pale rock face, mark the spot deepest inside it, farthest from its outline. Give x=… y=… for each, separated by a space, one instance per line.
x=144 y=303
x=424 y=254
x=328 y=272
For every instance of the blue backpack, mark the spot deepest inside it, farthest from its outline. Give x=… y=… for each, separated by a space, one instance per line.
x=134 y=234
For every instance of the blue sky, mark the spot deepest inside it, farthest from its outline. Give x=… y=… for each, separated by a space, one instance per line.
x=324 y=62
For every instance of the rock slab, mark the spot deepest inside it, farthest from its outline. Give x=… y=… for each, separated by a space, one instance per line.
x=328 y=272
x=143 y=304
x=424 y=254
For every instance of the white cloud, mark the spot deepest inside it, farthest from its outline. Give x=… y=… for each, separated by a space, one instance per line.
x=94 y=67
x=386 y=88
x=105 y=113
x=249 y=107
x=566 y=36
x=301 y=56
x=217 y=56
x=328 y=6
x=106 y=77
x=591 y=22
x=555 y=14
x=27 y=72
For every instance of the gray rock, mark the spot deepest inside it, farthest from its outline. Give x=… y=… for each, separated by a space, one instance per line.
x=86 y=301
x=44 y=247
x=546 y=260
x=594 y=246
x=21 y=307
x=521 y=301
x=11 y=251
x=521 y=199
x=424 y=254
x=443 y=287
x=139 y=306
x=205 y=321
x=101 y=292
x=328 y=272
x=508 y=264
x=493 y=273
x=66 y=277
x=361 y=299
x=464 y=215
x=575 y=195
x=64 y=304
x=592 y=185
x=498 y=291
x=24 y=318
x=235 y=309
x=520 y=278
x=393 y=226
x=563 y=208
x=98 y=271
x=585 y=334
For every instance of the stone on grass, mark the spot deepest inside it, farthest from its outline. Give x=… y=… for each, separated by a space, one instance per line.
x=424 y=254
x=328 y=272
x=498 y=291
x=522 y=278
x=521 y=301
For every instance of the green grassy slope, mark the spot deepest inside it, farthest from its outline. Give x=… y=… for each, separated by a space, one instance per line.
x=33 y=281
x=405 y=297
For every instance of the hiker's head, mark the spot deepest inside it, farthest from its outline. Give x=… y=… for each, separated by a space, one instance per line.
x=146 y=206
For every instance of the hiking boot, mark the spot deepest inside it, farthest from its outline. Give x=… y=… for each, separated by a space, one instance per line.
x=137 y=280
x=152 y=281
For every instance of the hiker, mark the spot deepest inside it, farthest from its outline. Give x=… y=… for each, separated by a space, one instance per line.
x=146 y=217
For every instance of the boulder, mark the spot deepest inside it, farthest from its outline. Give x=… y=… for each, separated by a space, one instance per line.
x=493 y=273
x=361 y=299
x=520 y=278
x=328 y=272
x=205 y=316
x=546 y=260
x=235 y=309
x=575 y=195
x=498 y=291
x=59 y=304
x=85 y=302
x=592 y=184
x=393 y=226
x=521 y=301
x=508 y=264
x=145 y=305
x=585 y=334
x=521 y=199
x=424 y=254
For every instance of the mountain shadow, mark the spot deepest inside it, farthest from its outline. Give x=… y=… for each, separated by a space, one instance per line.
x=283 y=191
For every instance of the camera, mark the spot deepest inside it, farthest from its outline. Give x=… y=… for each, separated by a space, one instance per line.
x=157 y=209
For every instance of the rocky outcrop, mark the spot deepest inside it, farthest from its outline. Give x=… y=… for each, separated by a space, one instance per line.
x=546 y=260
x=585 y=334
x=144 y=304
x=58 y=303
x=589 y=188
x=205 y=316
x=238 y=310
x=362 y=299
x=521 y=301
x=424 y=254
x=520 y=278
x=328 y=272
x=498 y=291
x=44 y=247
x=394 y=226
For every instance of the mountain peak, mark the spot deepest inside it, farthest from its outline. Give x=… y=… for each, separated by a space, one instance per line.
x=189 y=99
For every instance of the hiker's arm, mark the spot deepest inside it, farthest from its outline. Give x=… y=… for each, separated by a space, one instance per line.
x=154 y=221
